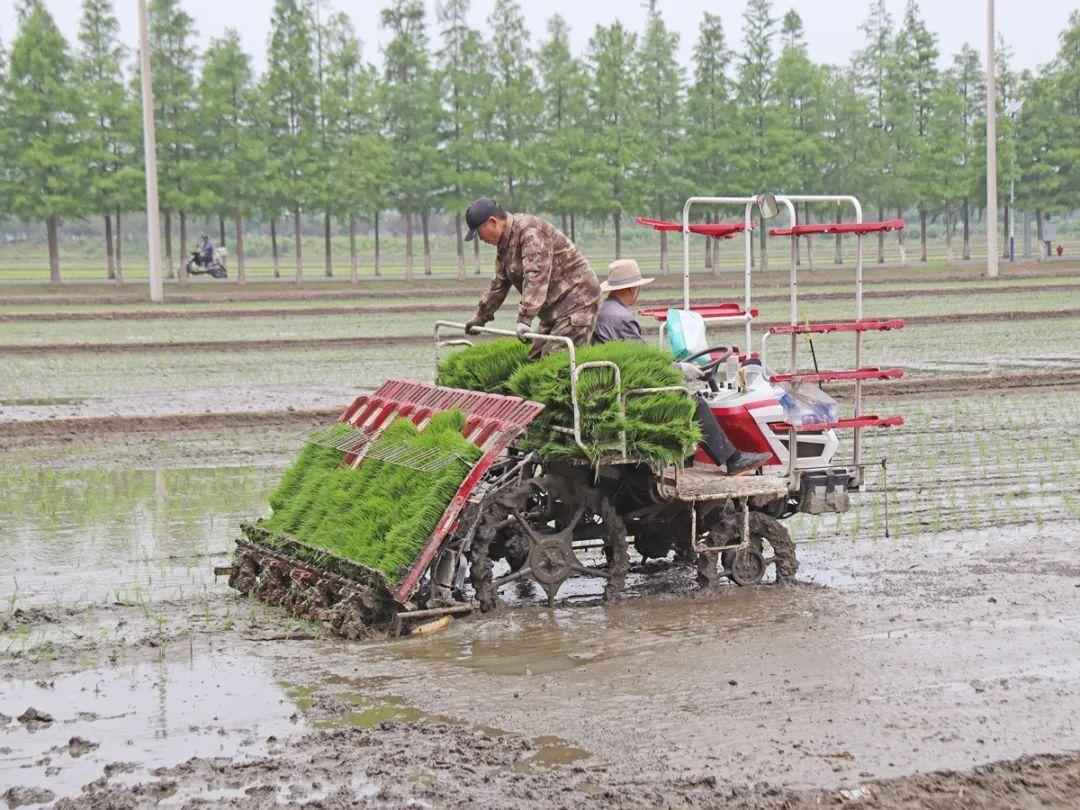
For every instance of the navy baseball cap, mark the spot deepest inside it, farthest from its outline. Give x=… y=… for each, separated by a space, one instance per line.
x=480 y=212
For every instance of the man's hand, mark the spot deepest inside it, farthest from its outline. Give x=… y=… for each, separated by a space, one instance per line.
x=521 y=330
x=470 y=326
x=690 y=371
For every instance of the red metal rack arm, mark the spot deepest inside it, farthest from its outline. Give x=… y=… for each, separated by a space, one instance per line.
x=726 y=310
x=866 y=325
x=842 y=424
x=839 y=227
x=717 y=230
x=838 y=375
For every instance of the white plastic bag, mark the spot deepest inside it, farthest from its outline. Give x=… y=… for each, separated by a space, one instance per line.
x=807 y=404
x=686 y=334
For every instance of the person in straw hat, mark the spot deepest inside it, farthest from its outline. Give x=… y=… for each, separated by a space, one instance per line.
x=617 y=320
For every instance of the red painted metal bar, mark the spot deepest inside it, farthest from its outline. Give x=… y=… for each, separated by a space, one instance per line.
x=868 y=325
x=726 y=310
x=717 y=230
x=838 y=375
x=866 y=421
x=839 y=227
x=492 y=422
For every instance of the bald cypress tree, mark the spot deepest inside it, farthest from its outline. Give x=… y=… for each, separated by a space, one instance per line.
x=568 y=164
x=289 y=114
x=110 y=151
x=43 y=124
x=173 y=57
x=410 y=108
x=662 y=185
x=613 y=127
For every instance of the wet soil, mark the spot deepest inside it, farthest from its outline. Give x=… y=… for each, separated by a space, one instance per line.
x=376 y=309
x=143 y=347
x=314 y=290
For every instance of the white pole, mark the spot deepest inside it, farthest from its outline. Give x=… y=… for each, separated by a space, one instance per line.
x=991 y=148
x=153 y=227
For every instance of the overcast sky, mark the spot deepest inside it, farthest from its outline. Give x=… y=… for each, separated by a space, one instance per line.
x=1029 y=26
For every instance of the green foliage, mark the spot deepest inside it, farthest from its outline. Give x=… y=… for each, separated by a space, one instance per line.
x=172 y=64
x=483 y=367
x=660 y=428
x=380 y=514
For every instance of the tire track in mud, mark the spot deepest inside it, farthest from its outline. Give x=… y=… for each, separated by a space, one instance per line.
x=416 y=340
x=390 y=309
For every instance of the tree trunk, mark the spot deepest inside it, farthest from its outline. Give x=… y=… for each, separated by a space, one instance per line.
x=663 y=252
x=476 y=256
x=425 y=227
x=299 y=236
x=182 y=270
x=274 y=247
x=809 y=237
x=948 y=236
x=922 y=236
x=221 y=228
x=460 y=242
x=168 y=245
x=328 y=249
x=966 y=214
x=1038 y=235
x=119 y=243
x=52 y=226
x=1027 y=235
x=378 y=254
x=408 y=248
x=900 y=239
x=110 y=260
x=881 y=238
x=838 y=252
x=354 y=260
x=617 y=221
x=573 y=237
x=241 y=262
x=564 y=229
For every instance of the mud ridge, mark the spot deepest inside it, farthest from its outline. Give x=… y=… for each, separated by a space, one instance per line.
x=832 y=276
x=91 y=427
x=386 y=309
x=415 y=340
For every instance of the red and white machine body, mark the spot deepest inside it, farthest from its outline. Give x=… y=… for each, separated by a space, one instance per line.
x=751 y=414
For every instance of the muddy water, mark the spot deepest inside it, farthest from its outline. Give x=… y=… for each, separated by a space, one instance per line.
x=123 y=722
x=77 y=537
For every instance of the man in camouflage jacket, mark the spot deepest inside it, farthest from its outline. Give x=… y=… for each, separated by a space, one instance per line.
x=554 y=279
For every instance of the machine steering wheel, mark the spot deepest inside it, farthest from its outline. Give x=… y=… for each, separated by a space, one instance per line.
x=709 y=370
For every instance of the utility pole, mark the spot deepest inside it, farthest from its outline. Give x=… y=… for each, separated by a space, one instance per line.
x=153 y=227
x=991 y=148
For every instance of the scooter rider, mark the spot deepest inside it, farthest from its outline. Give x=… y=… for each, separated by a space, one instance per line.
x=556 y=283
x=206 y=250
x=617 y=320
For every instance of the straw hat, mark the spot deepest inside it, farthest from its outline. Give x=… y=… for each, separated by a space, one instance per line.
x=622 y=275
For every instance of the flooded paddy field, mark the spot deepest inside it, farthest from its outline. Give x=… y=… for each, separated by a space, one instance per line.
x=929 y=655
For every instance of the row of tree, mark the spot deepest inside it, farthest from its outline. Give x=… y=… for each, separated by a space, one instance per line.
x=449 y=116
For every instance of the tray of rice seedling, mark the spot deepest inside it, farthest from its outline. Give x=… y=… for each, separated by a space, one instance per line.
x=360 y=515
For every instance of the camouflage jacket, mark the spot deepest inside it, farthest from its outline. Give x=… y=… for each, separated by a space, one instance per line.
x=537 y=259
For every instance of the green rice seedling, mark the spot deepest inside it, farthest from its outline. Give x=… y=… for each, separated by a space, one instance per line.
x=380 y=514
x=484 y=367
